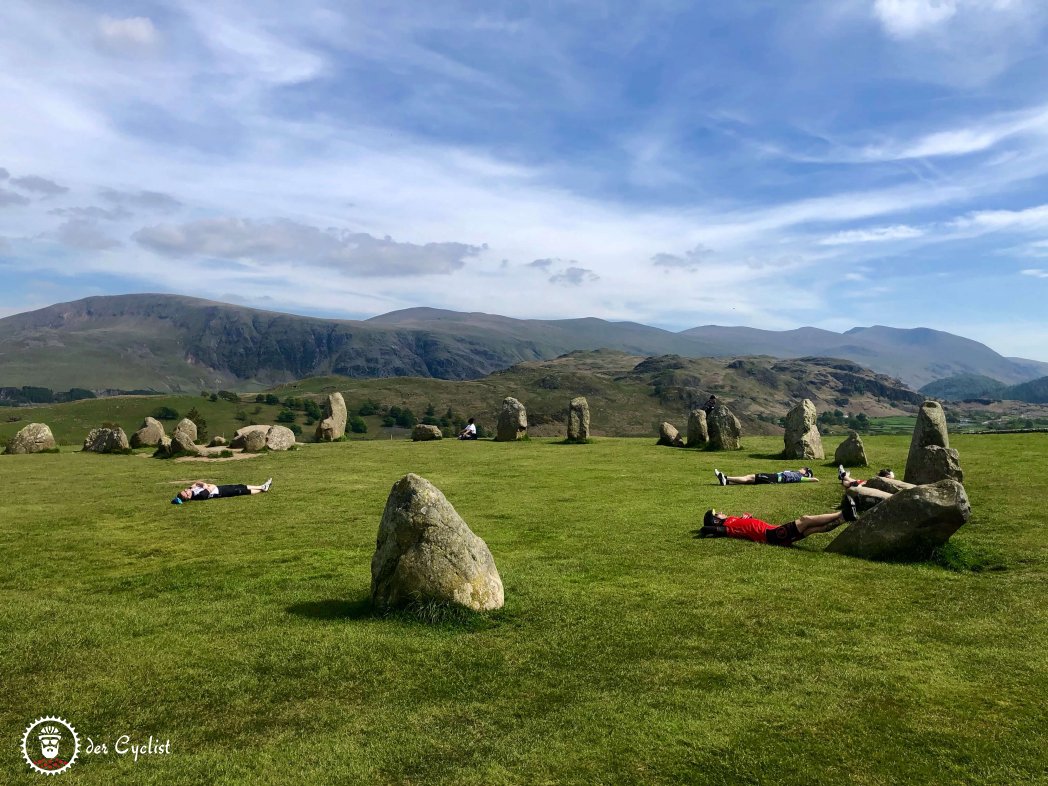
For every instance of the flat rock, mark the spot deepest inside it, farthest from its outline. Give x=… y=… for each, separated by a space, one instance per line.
x=425 y=552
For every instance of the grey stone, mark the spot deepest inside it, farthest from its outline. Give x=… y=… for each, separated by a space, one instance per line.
x=183 y=438
x=31 y=438
x=669 y=436
x=279 y=438
x=513 y=421
x=891 y=485
x=149 y=434
x=930 y=430
x=698 y=432
x=425 y=552
x=851 y=452
x=725 y=429
x=909 y=525
x=240 y=435
x=802 y=439
x=217 y=442
x=934 y=463
x=333 y=426
x=424 y=432
x=254 y=441
x=578 y=419
x=106 y=440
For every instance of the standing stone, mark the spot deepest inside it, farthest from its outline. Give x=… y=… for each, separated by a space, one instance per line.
x=31 y=438
x=802 y=439
x=183 y=438
x=725 y=429
x=669 y=436
x=851 y=452
x=150 y=434
x=333 y=426
x=279 y=438
x=513 y=421
x=241 y=434
x=698 y=432
x=929 y=431
x=106 y=440
x=578 y=420
x=425 y=552
x=936 y=464
x=254 y=441
x=425 y=433
x=908 y=526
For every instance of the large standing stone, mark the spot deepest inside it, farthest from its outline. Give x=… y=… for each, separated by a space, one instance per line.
x=935 y=464
x=150 y=434
x=725 y=429
x=31 y=438
x=698 y=432
x=929 y=431
x=333 y=426
x=241 y=434
x=424 y=432
x=254 y=441
x=909 y=525
x=279 y=438
x=513 y=421
x=578 y=419
x=183 y=438
x=106 y=440
x=851 y=452
x=802 y=439
x=669 y=436
x=426 y=552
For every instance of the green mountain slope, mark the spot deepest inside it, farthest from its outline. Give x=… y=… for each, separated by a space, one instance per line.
x=964 y=386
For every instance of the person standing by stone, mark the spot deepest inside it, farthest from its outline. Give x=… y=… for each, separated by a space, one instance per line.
x=803 y=475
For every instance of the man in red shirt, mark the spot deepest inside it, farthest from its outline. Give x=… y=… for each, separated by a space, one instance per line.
x=719 y=525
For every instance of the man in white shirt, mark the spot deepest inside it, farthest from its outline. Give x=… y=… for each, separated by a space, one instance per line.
x=470 y=431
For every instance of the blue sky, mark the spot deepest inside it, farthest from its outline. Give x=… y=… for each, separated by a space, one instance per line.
x=768 y=163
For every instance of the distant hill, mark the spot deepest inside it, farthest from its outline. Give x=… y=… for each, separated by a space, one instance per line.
x=1034 y=392
x=174 y=343
x=964 y=386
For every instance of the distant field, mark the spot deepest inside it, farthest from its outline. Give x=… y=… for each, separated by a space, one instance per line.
x=628 y=652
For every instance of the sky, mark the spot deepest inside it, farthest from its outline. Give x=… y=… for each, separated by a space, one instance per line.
x=770 y=163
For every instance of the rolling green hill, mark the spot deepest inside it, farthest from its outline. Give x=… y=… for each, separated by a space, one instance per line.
x=964 y=386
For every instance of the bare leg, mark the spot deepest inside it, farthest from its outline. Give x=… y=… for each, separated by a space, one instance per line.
x=866 y=497
x=741 y=480
x=820 y=522
x=260 y=489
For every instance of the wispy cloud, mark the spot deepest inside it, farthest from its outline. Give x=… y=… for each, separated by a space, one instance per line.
x=872 y=235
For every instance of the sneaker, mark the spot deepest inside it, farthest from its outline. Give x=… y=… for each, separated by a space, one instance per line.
x=849 y=508
x=721 y=477
x=841 y=472
x=267 y=484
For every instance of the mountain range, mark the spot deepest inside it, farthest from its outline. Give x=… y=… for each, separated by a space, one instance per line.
x=177 y=343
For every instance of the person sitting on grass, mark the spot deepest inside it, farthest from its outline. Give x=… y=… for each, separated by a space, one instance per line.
x=203 y=490
x=848 y=481
x=470 y=431
x=803 y=475
x=746 y=527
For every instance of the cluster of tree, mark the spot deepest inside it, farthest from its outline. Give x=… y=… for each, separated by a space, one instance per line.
x=29 y=394
x=859 y=422
x=225 y=395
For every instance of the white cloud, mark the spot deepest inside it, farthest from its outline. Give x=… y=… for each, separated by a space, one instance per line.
x=690 y=260
x=128 y=36
x=574 y=276
x=905 y=18
x=993 y=220
x=1035 y=272
x=872 y=235
x=84 y=235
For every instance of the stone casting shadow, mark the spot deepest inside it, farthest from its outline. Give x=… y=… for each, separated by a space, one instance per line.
x=334 y=609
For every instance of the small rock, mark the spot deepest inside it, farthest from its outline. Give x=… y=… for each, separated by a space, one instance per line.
x=669 y=436
x=424 y=432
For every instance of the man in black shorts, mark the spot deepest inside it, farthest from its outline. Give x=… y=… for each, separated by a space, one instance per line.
x=802 y=475
x=201 y=490
x=746 y=527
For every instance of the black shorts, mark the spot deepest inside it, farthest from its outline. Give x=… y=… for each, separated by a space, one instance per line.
x=784 y=535
x=765 y=477
x=235 y=490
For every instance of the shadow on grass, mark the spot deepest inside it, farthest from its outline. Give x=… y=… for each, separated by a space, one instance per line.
x=777 y=456
x=963 y=558
x=429 y=613
x=333 y=609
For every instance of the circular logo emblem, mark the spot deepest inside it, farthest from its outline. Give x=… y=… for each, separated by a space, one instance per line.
x=50 y=745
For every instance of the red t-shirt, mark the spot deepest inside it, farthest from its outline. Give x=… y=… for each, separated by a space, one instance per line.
x=748 y=528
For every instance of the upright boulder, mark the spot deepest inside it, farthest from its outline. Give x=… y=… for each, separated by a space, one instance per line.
x=425 y=433
x=513 y=421
x=910 y=525
x=425 y=552
x=31 y=438
x=802 y=439
x=698 y=432
x=922 y=464
x=669 y=436
x=280 y=438
x=106 y=440
x=578 y=419
x=240 y=436
x=725 y=429
x=183 y=438
x=851 y=452
x=150 y=434
x=333 y=426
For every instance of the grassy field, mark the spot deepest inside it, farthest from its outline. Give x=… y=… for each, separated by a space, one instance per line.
x=628 y=652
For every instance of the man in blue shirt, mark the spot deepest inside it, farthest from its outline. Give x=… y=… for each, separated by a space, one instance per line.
x=802 y=475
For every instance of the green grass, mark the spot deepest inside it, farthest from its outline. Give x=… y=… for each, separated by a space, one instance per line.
x=628 y=652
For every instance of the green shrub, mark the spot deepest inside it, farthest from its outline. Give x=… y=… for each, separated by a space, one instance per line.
x=357 y=425
x=286 y=416
x=165 y=413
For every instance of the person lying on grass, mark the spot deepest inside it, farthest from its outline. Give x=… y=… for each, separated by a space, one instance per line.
x=204 y=490
x=803 y=475
x=745 y=527
x=848 y=481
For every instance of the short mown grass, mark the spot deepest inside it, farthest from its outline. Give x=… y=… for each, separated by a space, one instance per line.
x=628 y=651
